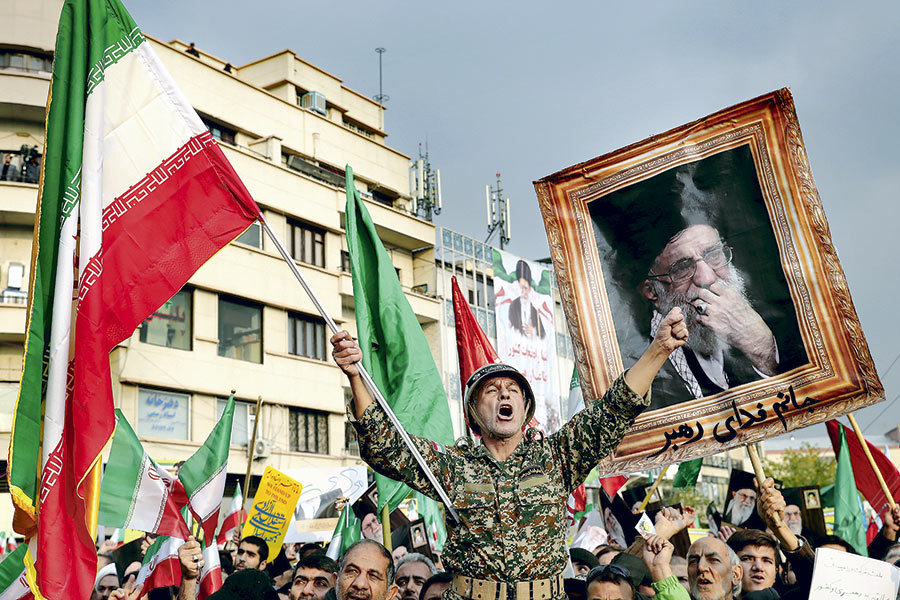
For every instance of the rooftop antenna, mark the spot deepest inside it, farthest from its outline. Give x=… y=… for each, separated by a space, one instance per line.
x=381 y=98
x=497 y=213
x=424 y=186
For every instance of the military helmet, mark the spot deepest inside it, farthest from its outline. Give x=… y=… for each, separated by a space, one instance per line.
x=490 y=371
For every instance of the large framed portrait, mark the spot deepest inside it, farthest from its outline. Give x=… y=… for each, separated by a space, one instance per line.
x=720 y=218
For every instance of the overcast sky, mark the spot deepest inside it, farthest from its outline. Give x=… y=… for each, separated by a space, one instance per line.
x=528 y=88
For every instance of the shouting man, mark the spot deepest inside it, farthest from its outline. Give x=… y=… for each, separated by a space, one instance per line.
x=511 y=489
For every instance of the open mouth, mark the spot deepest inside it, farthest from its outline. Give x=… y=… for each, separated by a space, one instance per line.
x=505 y=412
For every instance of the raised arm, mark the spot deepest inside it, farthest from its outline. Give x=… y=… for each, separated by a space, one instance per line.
x=380 y=445
x=595 y=432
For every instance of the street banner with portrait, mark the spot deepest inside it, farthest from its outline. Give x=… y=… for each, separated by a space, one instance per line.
x=526 y=335
x=721 y=219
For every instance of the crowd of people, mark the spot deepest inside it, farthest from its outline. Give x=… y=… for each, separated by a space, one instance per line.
x=508 y=541
x=745 y=563
x=24 y=165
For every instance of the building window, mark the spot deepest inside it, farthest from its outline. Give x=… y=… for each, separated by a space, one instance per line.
x=382 y=198
x=15 y=282
x=308 y=431
x=351 y=442
x=170 y=325
x=25 y=61
x=163 y=414
x=221 y=132
x=240 y=330
x=252 y=236
x=244 y=418
x=345 y=261
x=306 y=336
x=307 y=244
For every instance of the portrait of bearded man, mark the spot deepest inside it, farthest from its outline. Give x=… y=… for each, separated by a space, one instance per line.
x=698 y=236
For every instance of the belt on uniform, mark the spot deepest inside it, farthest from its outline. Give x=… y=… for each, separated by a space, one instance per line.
x=529 y=589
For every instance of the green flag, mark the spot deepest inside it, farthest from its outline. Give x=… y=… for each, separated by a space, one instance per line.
x=395 y=351
x=848 y=517
x=687 y=474
x=346 y=533
x=434 y=520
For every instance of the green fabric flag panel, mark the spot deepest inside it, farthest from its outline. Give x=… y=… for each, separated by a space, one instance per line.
x=849 y=521
x=395 y=351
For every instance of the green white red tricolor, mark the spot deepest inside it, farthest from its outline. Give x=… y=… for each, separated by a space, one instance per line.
x=136 y=492
x=203 y=474
x=13 y=583
x=234 y=518
x=135 y=196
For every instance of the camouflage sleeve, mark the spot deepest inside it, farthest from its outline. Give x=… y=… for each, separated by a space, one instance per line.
x=594 y=432
x=382 y=448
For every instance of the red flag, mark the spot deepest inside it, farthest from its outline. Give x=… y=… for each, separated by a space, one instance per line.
x=612 y=484
x=576 y=503
x=472 y=345
x=866 y=481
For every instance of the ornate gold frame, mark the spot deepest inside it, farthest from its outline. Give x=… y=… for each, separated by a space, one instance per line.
x=840 y=376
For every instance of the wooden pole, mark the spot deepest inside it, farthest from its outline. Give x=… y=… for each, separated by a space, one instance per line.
x=250 y=453
x=865 y=447
x=760 y=475
x=656 y=483
x=386 y=528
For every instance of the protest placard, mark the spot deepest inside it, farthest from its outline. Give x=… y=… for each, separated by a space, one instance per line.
x=840 y=575
x=720 y=218
x=273 y=505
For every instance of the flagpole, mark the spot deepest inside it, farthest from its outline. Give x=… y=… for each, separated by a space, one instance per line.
x=865 y=446
x=386 y=528
x=656 y=483
x=250 y=453
x=760 y=475
x=370 y=383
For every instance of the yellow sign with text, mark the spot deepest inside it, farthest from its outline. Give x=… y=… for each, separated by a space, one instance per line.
x=272 y=508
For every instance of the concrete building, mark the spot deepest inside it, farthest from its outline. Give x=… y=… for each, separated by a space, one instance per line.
x=242 y=322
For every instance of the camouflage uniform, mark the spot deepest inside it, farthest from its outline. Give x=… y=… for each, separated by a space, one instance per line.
x=515 y=510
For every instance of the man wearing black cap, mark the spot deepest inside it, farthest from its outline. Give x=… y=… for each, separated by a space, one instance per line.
x=523 y=316
x=698 y=237
x=511 y=489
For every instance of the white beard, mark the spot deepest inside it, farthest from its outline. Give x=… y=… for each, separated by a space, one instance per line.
x=700 y=339
x=738 y=513
x=796 y=528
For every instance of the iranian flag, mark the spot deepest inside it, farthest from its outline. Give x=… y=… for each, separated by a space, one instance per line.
x=234 y=518
x=203 y=474
x=161 y=566
x=135 y=196
x=210 y=573
x=137 y=493
x=13 y=585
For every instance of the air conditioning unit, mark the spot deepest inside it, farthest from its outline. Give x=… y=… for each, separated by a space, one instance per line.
x=262 y=449
x=314 y=101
